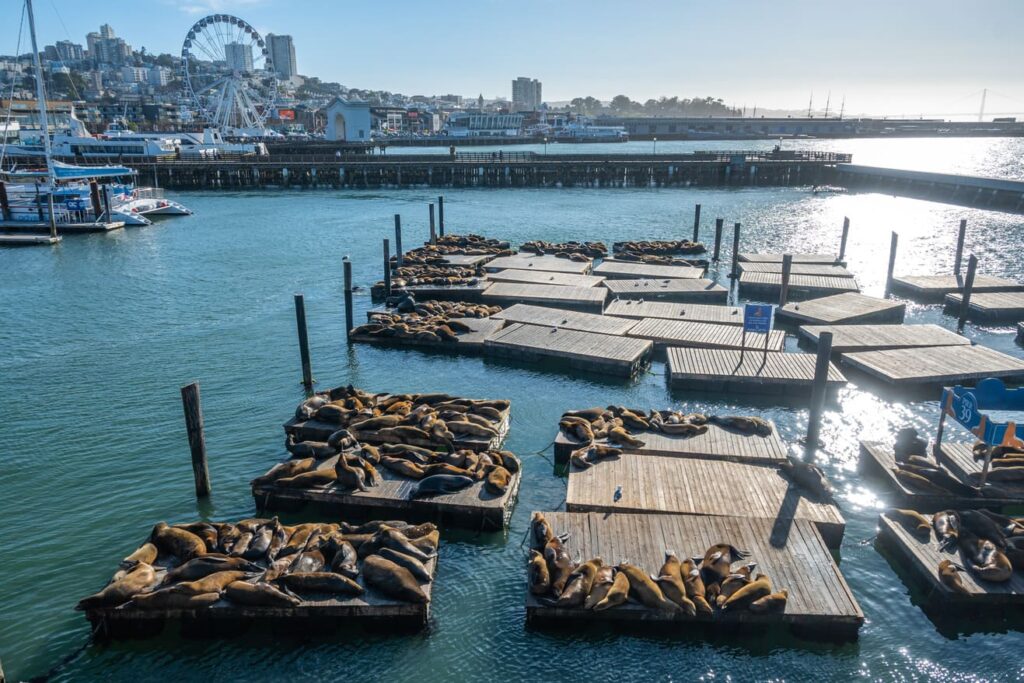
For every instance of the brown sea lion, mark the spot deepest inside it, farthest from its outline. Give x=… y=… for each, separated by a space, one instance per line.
x=426 y=542
x=348 y=477
x=182 y=544
x=415 y=567
x=577 y=428
x=809 y=476
x=498 y=481
x=916 y=482
x=718 y=560
x=204 y=530
x=986 y=560
x=144 y=554
x=445 y=468
x=168 y=598
x=620 y=435
x=744 y=424
x=320 y=582
x=949 y=576
x=682 y=428
x=774 y=603
x=539 y=578
x=560 y=565
x=579 y=583
x=404 y=433
x=540 y=531
x=396 y=540
x=342 y=556
x=670 y=582
x=471 y=428
x=756 y=589
x=136 y=580
x=403 y=467
x=214 y=583
x=912 y=520
x=616 y=594
x=982 y=525
x=509 y=461
x=206 y=565
x=297 y=540
x=602 y=583
x=643 y=589
x=695 y=590
x=946 y=525
x=371 y=424
x=588 y=414
x=393 y=580
x=260 y=594
x=732 y=583
x=308 y=449
x=307 y=480
x=261 y=540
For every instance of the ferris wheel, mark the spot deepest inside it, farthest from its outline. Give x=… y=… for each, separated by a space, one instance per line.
x=228 y=72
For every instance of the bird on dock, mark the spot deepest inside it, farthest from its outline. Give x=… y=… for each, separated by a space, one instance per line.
x=618 y=494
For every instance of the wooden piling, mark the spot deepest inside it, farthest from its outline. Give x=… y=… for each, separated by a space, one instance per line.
x=842 y=240
x=347 y=267
x=106 y=203
x=958 y=261
x=398 y=241
x=387 y=267
x=965 y=298
x=94 y=197
x=718 y=238
x=196 y=438
x=440 y=215
x=818 y=391
x=787 y=267
x=5 y=204
x=696 y=223
x=300 y=322
x=892 y=261
x=734 y=271
x=433 y=231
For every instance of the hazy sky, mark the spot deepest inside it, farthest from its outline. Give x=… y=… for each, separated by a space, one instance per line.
x=903 y=57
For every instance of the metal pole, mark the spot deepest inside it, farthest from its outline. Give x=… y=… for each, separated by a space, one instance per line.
x=433 y=232
x=398 y=240
x=192 y=405
x=842 y=240
x=957 y=262
x=892 y=261
x=696 y=223
x=718 y=237
x=818 y=389
x=787 y=266
x=440 y=215
x=735 y=251
x=5 y=204
x=965 y=296
x=300 y=323
x=347 y=267
x=387 y=268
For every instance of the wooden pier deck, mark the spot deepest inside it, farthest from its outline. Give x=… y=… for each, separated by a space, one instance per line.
x=666 y=333
x=842 y=309
x=62 y=228
x=695 y=486
x=547 y=263
x=922 y=556
x=570 y=320
x=769 y=285
x=852 y=338
x=939 y=365
x=604 y=353
x=933 y=288
x=631 y=270
x=749 y=371
x=689 y=291
x=819 y=259
x=545 y=277
x=990 y=307
x=820 y=603
x=823 y=269
x=467 y=342
x=26 y=240
x=465 y=260
x=701 y=313
x=467 y=293
x=714 y=444
x=472 y=508
x=584 y=298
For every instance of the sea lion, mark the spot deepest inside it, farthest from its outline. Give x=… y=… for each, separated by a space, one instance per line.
x=396 y=540
x=260 y=594
x=603 y=581
x=498 y=481
x=645 y=590
x=616 y=594
x=206 y=565
x=204 y=530
x=309 y=560
x=577 y=428
x=670 y=582
x=591 y=454
x=144 y=554
x=718 y=560
x=743 y=424
x=439 y=484
x=182 y=544
x=297 y=541
x=415 y=567
x=307 y=480
x=260 y=543
x=620 y=435
x=320 y=582
x=445 y=468
x=168 y=598
x=560 y=565
x=403 y=467
x=682 y=428
x=947 y=526
x=285 y=469
x=732 y=583
x=540 y=531
x=392 y=579
x=916 y=482
x=308 y=408
x=912 y=520
x=348 y=477
x=632 y=420
x=987 y=560
x=214 y=583
x=427 y=542
x=909 y=443
x=949 y=576
x=808 y=476
x=940 y=478
x=579 y=583
x=695 y=589
x=404 y=433
x=982 y=525
x=136 y=580
x=588 y=414
x=756 y=589
x=471 y=428
x=774 y=603
x=308 y=449
x=374 y=423
x=330 y=412
x=343 y=556
x=372 y=527
x=1006 y=474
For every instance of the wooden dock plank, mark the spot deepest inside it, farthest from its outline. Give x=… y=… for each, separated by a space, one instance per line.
x=842 y=309
x=691 y=291
x=698 y=486
x=506 y=293
x=467 y=342
x=990 y=307
x=801 y=286
x=570 y=320
x=534 y=262
x=581 y=350
x=938 y=365
x=665 y=333
x=545 y=277
x=826 y=269
x=849 y=338
x=931 y=288
x=702 y=313
x=821 y=259
x=467 y=293
x=727 y=370
x=465 y=260
x=629 y=270
x=819 y=598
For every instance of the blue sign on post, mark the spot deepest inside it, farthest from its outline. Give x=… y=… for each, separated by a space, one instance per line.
x=757 y=318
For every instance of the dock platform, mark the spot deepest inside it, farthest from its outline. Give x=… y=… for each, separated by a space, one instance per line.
x=62 y=228
x=940 y=365
x=545 y=263
x=583 y=298
x=842 y=309
x=631 y=270
x=852 y=338
x=467 y=342
x=769 y=285
x=666 y=333
x=726 y=371
x=545 y=277
x=688 y=291
x=934 y=288
x=989 y=307
x=820 y=605
x=695 y=486
x=604 y=353
x=819 y=259
x=823 y=269
x=467 y=293
x=26 y=240
x=465 y=260
x=701 y=313
x=570 y=320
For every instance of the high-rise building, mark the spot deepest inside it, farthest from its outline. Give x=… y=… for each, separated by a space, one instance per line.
x=526 y=94
x=282 y=53
x=238 y=56
x=107 y=31
x=90 y=43
x=69 y=52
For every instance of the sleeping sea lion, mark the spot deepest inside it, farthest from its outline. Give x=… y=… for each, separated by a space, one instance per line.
x=912 y=520
x=620 y=435
x=393 y=580
x=415 y=567
x=743 y=424
x=774 y=603
x=206 y=565
x=144 y=554
x=808 y=476
x=182 y=544
x=682 y=428
x=306 y=480
x=214 y=583
x=498 y=481
x=168 y=598
x=579 y=583
x=204 y=530
x=374 y=423
x=982 y=525
x=916 y=482
x=396 y=540
x=588 y=414
x=403 y=467
x=343 y=556
x=645 y=590
x=602 y=583
x=946 y=525
x=471 y=428
x=260 y=594
x=949 y=576
x=756 y=589
x=670 y=582
x=718 y=560
x=308 y=449
x=439 y=484
x=986 y=560
x=616 y=594
x=285 y=469
x=941 y=478
x=260 y=543
x=735 y=581
x=320 y=582
x=695 y=590
x=560 y=565
x=136 y=580
x=509 y=461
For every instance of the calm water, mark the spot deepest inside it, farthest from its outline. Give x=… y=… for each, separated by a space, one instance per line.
x=99 y=334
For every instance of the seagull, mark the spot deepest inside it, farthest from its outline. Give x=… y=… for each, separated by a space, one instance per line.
x=618 y=494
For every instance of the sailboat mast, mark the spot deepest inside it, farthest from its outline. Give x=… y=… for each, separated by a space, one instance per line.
x=40 y=92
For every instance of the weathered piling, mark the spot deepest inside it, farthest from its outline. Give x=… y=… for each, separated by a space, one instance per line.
x=300 y=323
x=5 y=204
x=433 y=230
x=958 y=261
x=190 y=402
x=892 y=261
x=94 y=197
x=347 y=267
x=842 y=240
x=440 y=215
x=718 y=237
x=387 y=267
x=398 y=241
x=965 y=298
x=818 y=391
x=696 y=223
x=734 y=271
x=787 y=267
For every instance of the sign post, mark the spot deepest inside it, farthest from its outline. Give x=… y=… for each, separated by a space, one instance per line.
x=757 y=318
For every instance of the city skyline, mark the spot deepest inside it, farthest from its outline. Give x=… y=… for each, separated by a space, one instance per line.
x=932 y=63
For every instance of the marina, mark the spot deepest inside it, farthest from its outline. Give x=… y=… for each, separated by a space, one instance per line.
x=843 y=309
x=588 y=351
x=747 y=371
x=684 y=291
x=940 y=365
x=853 y=338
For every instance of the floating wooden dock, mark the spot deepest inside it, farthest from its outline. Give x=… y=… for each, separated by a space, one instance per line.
x=819 y=259
x=990 y=307
x=769 y=285
x=939 y=365
x=851 y=338
x=689 y=291
x=570 y=320
x=472 y=508
x=62 y=228
x=631 y=270
x=820 y=605
x=715 y=444
x=701 y=313
x=467 y=293
x=507 y=293
x=933 y=288
x=27 y=241
x=465 y=260
x=695 y=486
x=545 y=277
x=604 y=353
x=823 y=269
x=749 y=371
x=467 y=342
x=665 y=333
x=842 y=309
x=545 y=263
x=923 y=555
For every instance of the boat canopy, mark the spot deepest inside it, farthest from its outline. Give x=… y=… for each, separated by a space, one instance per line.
x=62 y=171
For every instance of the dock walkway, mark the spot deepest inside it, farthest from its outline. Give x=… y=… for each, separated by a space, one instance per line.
x=749 y=371
x=630 y=270
x=545 y=277
x=934 y=288
x=940 y=365
x=547 y=263
x=842 y=309
x=604 y=353
x=851 y=338
x=990 y=307
x=769 y=285
x=666 y=333
x=689 y=291
x=824 y=269
x=507 y=293
x=701 y=313
x=819 y=259
x=569 y=320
